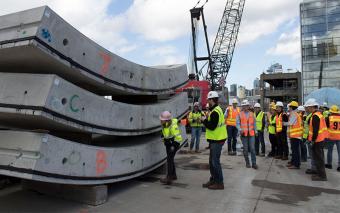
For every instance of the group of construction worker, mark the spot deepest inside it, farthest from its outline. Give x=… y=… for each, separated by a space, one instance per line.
x=309 y=129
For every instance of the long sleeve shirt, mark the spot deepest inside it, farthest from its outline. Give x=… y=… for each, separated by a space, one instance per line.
x=212 y=124
x=316 y=125
x=238 y=121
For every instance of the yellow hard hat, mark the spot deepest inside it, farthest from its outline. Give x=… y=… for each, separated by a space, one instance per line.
x=273 y=107
x=334 y=109
x=294 y=104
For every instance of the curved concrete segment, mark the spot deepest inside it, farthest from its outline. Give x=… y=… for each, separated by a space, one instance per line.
x=43 y=157
x=49 y=102
x=39 y=41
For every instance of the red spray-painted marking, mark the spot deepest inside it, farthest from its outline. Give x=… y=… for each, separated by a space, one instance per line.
x=101 y=163
x=106 y=63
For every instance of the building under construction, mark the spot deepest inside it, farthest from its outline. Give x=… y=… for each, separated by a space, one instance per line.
x=280 y=86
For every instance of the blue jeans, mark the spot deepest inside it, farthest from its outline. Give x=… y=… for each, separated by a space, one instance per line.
x=232 y=138
x=330 y=145
x=215 y=164
x=249 y=146
x=312 y=161
x=295 y=146
x=259 y=140
x=195 y=137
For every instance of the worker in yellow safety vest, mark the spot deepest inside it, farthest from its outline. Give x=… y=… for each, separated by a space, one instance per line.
x=230 y=119
x=216 y=135
x=316 y=136
x=272 y=131
x=303 y=148
x=246 y=124
x=260 y=125
x=196 y=126
x=295 y=132
x=333 y=124
x=172 y=139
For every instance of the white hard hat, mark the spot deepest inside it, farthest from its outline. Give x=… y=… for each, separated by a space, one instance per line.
x=212 y=94
x=235 y=101
x=311 y=102
x=196 y=104
x=165 y=116
x=325 y=104
x=279 y=103
x=245 y=103
x=257 y=105
x=301 y=108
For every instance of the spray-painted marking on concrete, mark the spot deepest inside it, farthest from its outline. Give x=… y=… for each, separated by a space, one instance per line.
x=73 y=109
x=106 y=63
x=101 y=163
x=45 y=33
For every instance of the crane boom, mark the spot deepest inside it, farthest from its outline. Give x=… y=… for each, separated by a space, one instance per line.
x=225 y=41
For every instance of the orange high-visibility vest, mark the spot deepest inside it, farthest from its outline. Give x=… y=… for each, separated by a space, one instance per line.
x=323 y=132
x=278 y=122
x=184 y=122
x=334 y=127
x=247 y=124
x=232 y=115
x=296 y=130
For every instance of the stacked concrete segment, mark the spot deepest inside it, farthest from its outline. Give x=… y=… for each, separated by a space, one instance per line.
x=40 y=41
x=53 y=78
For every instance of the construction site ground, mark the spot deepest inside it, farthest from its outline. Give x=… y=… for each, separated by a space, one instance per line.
x=271 y=188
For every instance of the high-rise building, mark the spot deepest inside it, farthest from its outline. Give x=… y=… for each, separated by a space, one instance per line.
x=320 y=44
x=241 y=92
x=256 y=85
x=233 y=90
x=275 y=68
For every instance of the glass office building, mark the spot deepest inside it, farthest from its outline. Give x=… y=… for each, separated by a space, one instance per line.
x=320 y=44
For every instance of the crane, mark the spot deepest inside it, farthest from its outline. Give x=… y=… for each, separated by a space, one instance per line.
x=220 y=58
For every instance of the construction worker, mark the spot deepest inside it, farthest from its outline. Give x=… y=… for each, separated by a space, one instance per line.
x=295 y=132
x=281 y=132
x=196 y=127
x=230 y=119
x=303 y=147
x=333 y=124
x=216 y=135
x=325 y=110
x=206 y=114
x=246 y=124
x=172 y=139
x=272 y=132
x=317 y=134
x=306 y=122
x=260 y=125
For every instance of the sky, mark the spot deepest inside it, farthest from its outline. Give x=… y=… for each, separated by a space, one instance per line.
x=154 y=32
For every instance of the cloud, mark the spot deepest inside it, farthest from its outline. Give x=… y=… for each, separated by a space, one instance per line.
x=288 y=44
x=166 y=54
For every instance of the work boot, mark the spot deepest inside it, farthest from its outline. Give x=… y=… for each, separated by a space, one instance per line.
x=262 y=155
x=216 y=186
x=248 y=165
x=255 y=167
x=338 y=169
x=289 y=164
x=293 y=167
x=197 y=151
x=166 y=181
x=318 y=178
x=173 y=177
x=233 y=153
x=310 y=172
x=328 y=166
x=278 y=157
x=230 y=153
x=207 y=184
x=284 y=158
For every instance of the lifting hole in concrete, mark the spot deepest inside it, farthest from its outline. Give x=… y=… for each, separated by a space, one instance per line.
x=169 y=79
x=131 y=119
x=65 y=42
x=63 y=101
x=131 y=75
x=84 y=164
x=84 y=54
x=25 y=92
x=131 y=162
x=83 y=109
x=64 y=160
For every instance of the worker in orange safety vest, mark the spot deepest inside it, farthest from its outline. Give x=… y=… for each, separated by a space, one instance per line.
x=230 y=116
x=333 y=125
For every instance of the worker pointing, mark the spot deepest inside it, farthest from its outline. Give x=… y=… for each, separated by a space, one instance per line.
x=172 y=139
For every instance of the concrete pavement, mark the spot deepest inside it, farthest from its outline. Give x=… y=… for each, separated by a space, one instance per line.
x=271 y=188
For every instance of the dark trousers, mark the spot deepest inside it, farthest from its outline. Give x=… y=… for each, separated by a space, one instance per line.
x=282 y=144
x=171 y=149
x=259 y=140
x=273 y=142
x=295 y=146
x=216 y=175
x=319 y=159
x=232 y=138
x=303 y=150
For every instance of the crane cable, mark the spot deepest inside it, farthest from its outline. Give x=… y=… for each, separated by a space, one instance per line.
x=199 y=1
